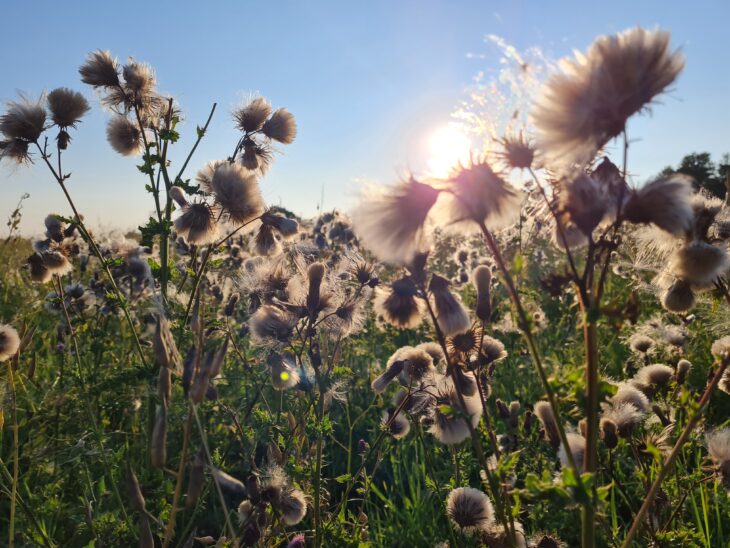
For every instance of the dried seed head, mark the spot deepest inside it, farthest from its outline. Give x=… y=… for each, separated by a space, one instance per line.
x=398 y=305
x=470 y=510
x=641 y=343
x=482 y=279
x=451 y=315
x=124 y=136
x=544 y=412
x=237 y=191
x=627 y=393
x=665 y=202
x=399 y=425
x=577 y=444
x=135 y=493
x=178 y=195
x=683 y=367
x=197 y=224
x=281 y=126
x=227 y=482
x=271 y=323
x=390 y=221
x=100 y=69
x=284 y=373
x=293 y=506
x=678 y=297
x=315 y=274
x=9 y=342
x=609 y=433
x=625 y=416
x=67 y=107
x=23 y=120
x=721 y=348
x=656 y=374
x=700 y=263
x=158 y=441
x=196 y=479
x=251 y=116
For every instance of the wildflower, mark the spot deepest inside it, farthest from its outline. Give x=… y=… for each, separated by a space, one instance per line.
x=9 y=342
x=664 y=202
x=399 y=425
x=297 y=541
x=609 y=432
x=284 y=374
x=271 y=322
x=518 y=152
x=281 y=126
x=625 y=416
x=721 y=348
x=158 y=440
x=124 y=136
x=641 y=343
x=196 y=224
x=449 y=426
x=577 y=444
x=451 y=316
x=293 y=506
x=283 y=225
x=251 y=117
x=391 y=372
x=67 y=107
x=544 y=413
x=476 y=195
x=315 y=274
x=700 y=263
x=196 y=478
x=23 y=121
x=237 y=192
x=492 y=351
x=266 y=243
x=390 y=222
x=434 y=350
x=589 y=101
x=227 y=482
x=417 y=364
x=136 y=499
x=627 y=393
x=399 y=304
x=718 y=446
x=656 y=374
x=469 y=509
x=683 y=367
x=100 y=69
x=481 y=277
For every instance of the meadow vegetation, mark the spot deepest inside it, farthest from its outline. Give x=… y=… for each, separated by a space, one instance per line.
x=529 y=352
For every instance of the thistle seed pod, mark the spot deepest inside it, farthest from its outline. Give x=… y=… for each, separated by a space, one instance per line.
x=158 y=445
x=482 y=279
x=315 y=274
x=196 y=480
x=164 y=385
x=135 y=493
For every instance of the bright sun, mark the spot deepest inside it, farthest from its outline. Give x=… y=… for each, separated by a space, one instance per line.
x=447 y=148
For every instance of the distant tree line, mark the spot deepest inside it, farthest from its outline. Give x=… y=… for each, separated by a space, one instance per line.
x=707 y=174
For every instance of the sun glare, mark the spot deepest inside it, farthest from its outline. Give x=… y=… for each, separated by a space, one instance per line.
x=448 y=146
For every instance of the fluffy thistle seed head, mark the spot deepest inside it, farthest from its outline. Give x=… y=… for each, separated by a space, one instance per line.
x=67 y=107
x=588 y=102
x=271 y=323
x=470 y=510
x=683 y=367
x=721 y=348
x=196 y=224
x=492 y=350
x=9 y=342
x=577 y=444
x=625 y=416
x=665 y=203
x=641 y=343
x=100 y=69
x=293 y=506
x=518 y=152
x=251 y=116
x=656 y=374
x=399 y=427
x=700 y=263
x=451 y=315
x=475 y=194
x=236 y=190
x=124 y=136
x=281 y=126
x=609 y=432
x=544 y=413
x=627 y=393
x=391 y=221
x=678 y=297
x=398 y=305
x=718 y=446
x=23 y=120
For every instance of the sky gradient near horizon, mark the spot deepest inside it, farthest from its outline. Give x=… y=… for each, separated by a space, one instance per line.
x=367 y=81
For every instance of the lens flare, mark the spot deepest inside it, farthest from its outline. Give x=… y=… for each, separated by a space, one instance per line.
x=448 y=146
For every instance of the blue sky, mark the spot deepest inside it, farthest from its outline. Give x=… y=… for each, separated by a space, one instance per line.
x=367 y=81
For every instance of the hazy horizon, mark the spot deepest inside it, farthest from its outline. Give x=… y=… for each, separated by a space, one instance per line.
x=368 y=84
